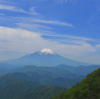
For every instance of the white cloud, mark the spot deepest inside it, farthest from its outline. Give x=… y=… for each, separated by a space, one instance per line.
x=32 y=26
x=12 y=8
x=32 y=20
x=53 y=22
x=67 y=1
x=16 y=9
x=32 y=10
x=26 y=41
x=72 y=37
x=75 y=49
x=97 y=46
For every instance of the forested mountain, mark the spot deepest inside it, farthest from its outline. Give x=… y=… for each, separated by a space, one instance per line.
x=89 y=88
x=30 y=82
x=47 y=71
x=79 y=70
x=61 y=75
x=21 y=86
x=50 y=76
x=43 y=92
x=14 y=85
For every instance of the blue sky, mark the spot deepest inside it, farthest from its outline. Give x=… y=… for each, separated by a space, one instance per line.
x=70 y=28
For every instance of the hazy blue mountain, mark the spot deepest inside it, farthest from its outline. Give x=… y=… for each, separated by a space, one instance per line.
x=81 y=70
x=58 y=75
x=7 y=65
x=5 y=68
x=46 y=75
x=45 y=57
x=50 y=75
x=47 y=72
x=3 y=71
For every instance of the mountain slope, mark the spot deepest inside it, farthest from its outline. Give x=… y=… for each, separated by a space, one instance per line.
x=14 y=85
x=45 y=57
x=43 y=92
x=80 y=70
x=7 y=66
x=61 y=75
x=50 y=76
x=20 y=86
x=88 y=88
x=47 y=71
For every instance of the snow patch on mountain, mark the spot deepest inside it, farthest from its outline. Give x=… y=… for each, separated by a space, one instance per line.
x=47 y=51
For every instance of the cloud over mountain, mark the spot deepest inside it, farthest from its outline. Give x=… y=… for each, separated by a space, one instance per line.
x=26 y=41
x=69 y=27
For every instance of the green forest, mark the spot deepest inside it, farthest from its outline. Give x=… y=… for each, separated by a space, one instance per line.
x=31 y=82
x=89 y=88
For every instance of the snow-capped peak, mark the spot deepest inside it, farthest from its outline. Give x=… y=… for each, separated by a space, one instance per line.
x=47 y=51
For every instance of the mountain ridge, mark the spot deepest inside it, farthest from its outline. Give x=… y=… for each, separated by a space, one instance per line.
x=45 y=57
x=88 y=88
x=19 y=85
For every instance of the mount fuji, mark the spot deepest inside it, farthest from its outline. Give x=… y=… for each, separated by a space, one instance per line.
x=44 y=57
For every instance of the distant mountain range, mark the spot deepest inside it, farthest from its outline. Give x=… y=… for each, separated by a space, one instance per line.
x=45 y=57
x=39 y=82
x=80 y=70
x=48 y=76
x=61 y=75
x=40 y=75
x=33 y=82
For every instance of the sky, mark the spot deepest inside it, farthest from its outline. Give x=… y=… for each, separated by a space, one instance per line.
x=70 y=28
